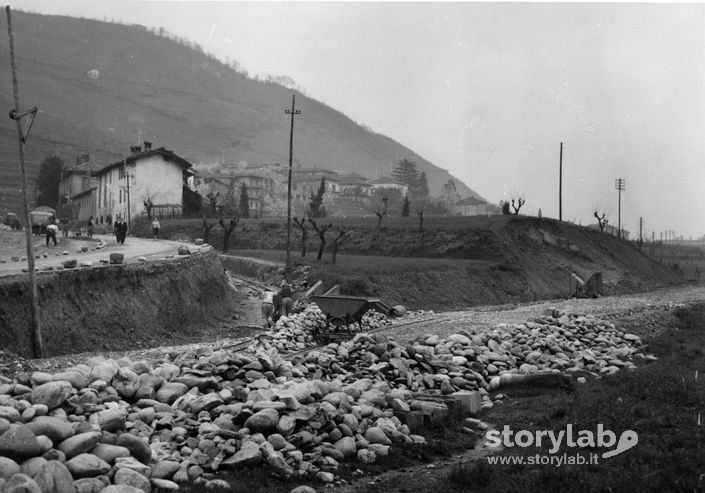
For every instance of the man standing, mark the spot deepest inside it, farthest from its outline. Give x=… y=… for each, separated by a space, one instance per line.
x=287 y=302
x=155 y=228
x=268 y=308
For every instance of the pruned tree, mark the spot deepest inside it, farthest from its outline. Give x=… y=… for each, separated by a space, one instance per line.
x=227 y=231
x=420 y=214
x=381 y=213
x=206 y=228
x=315 y=206
x=212 y=197
x=601 y=220
x=405 y=208
x=520 y=202
x=321 y=235
x=244 y=201
x=301 y=223
x=148 y=205
x=336 y=241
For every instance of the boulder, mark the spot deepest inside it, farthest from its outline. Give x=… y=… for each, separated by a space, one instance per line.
x=19 y=443
x=21 y=483
x=87 y=466
x=132 y=478
x=116 y=258
x=54 y=477
x=52 y=394
x=56 y=429
x=138 y=447
x=79 y=444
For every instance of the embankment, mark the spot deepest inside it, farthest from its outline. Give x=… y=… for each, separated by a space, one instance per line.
x=118 y=307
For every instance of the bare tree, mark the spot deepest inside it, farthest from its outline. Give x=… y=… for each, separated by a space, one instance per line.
x=336 y=240
x=381 y=212
x=227 y=231
x=518 y=205
x=206 y=228
x=212 y=196
x=420 y=214
x=301 y=223
x=321 y=235
x=601 y=220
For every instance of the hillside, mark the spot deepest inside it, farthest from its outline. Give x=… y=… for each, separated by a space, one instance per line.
x=454 y=262
x=155 y=88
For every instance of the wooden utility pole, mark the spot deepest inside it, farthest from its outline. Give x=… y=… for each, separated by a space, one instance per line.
x=619 y=185
x=293 y=112
x=560 y=185
x=15 y=114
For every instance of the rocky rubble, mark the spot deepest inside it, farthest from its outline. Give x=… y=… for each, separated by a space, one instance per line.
x=121 y=425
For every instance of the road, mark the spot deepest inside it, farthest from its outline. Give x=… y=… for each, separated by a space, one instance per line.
x=51 y=256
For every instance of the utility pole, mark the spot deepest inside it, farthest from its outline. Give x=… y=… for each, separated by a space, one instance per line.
x=16 y=115
x=293 y=112
x=129 y=219
x=619 y=185
x=560 y=185
x=641 y=225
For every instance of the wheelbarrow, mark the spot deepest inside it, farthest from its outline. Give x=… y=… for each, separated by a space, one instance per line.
x=346 y=310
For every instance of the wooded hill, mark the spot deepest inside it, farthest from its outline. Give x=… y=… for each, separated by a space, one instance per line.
x=154 y=87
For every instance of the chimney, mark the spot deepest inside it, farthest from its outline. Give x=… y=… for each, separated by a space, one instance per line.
x=135 y=150
x=147 y=146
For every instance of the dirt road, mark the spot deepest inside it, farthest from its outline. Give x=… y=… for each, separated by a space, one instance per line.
x=98 y=249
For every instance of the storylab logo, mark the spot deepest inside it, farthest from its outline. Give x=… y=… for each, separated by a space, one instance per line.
x=600 y=438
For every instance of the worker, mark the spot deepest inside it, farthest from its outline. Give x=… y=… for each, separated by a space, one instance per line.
x=268 y=308
x=287 y=302
x=52 y=229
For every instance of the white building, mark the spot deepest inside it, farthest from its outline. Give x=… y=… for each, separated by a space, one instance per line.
x=147 y=175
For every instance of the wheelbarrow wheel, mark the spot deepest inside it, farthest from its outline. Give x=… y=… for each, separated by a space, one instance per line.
x=337 y=322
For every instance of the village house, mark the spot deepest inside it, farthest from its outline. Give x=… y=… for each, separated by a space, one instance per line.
x=469 y=206
x=389 y=183
x=147 y=176
x=123 y=188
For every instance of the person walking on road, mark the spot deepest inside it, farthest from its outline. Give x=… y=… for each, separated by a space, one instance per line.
x=155 y=228
x=287 y=302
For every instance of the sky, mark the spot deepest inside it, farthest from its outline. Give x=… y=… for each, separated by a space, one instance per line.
x=489 y=91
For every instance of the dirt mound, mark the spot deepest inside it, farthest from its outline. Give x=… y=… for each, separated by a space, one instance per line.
x=118 y=307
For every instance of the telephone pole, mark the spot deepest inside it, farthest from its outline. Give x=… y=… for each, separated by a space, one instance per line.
x=619 y=185
x=293 y=112
x=560 y=185
x=16 y=115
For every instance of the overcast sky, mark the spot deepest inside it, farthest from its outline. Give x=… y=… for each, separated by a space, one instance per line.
x=488 y=91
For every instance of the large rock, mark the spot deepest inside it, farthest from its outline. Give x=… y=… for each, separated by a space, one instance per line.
x=79 y=444
x=109 y=453
x=248 y=455
x=126 y=383
x=110 y=419
x=19 y=443
x=87 y=466
x=56 y=429
x=91 y=485
x=132 y=478
x=138 y=447
x=346 y=446
x=54 y=477
x=21 y=483
x=264 y=421
x=164 y=469
x=171 y=391
x=8 y=468
x=52 y=394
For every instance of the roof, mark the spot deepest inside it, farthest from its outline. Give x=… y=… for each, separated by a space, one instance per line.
x=82 y=170
x=387 y=181
x=84 y=193
x=470 y=201
x=160 y=151
x=352 y=178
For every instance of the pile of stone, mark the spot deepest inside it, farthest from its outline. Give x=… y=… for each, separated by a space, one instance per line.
x=131 y=423
x=110 y=424
x=298 y=331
